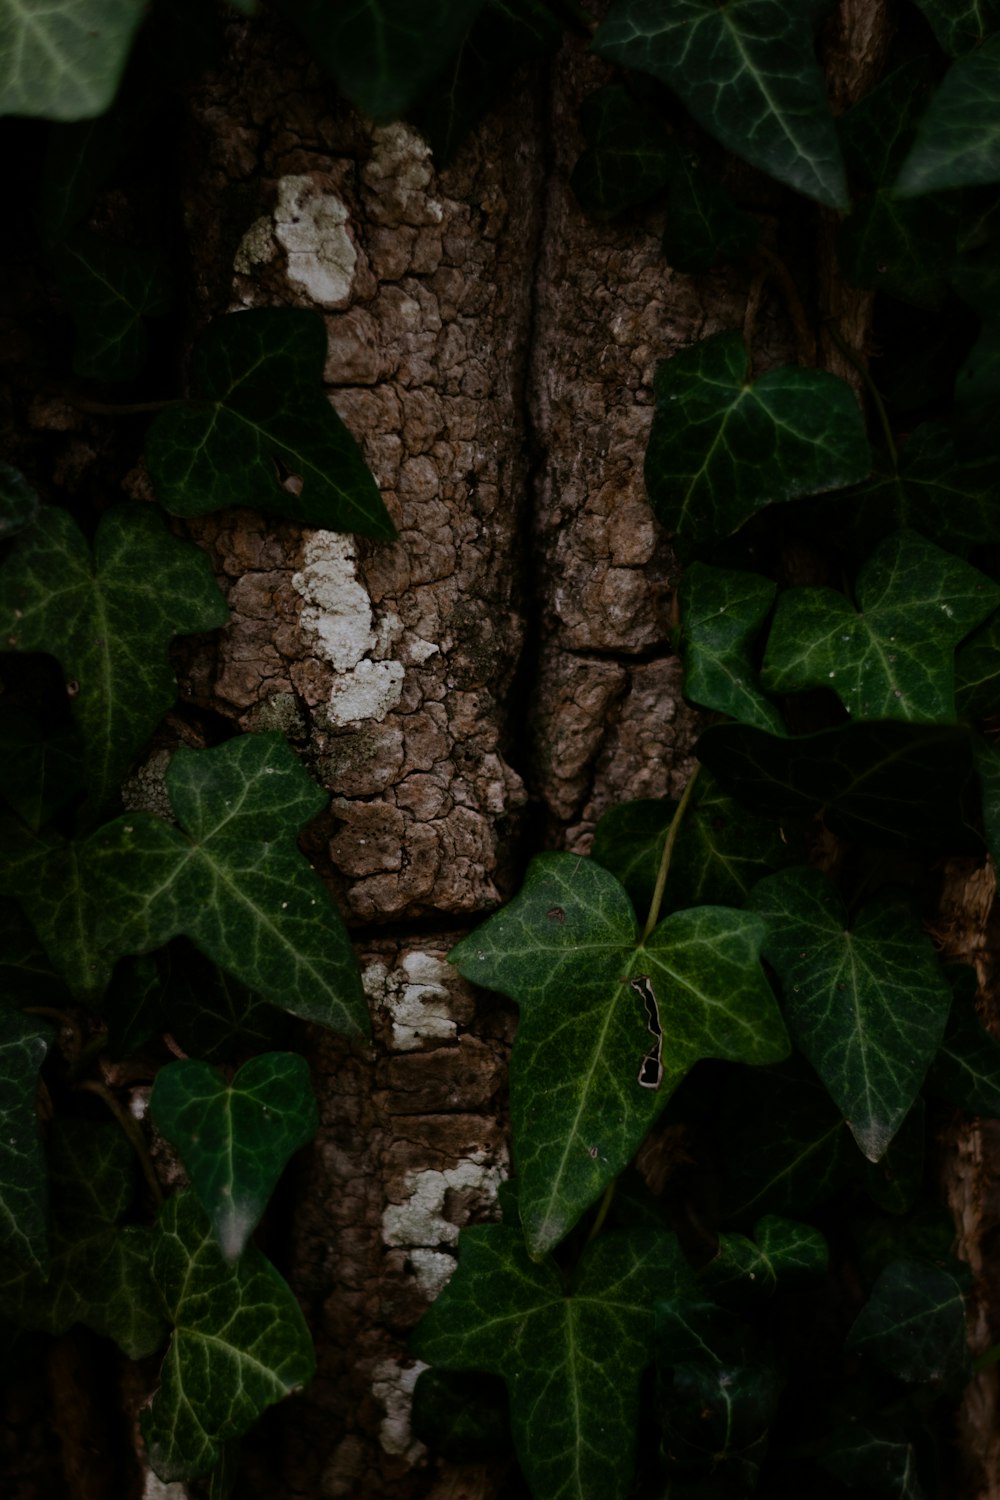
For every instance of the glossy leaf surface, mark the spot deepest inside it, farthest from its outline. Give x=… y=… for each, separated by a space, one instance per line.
x=239 y=1344
x=235 y=1139
x=723 y=446
x=866 y=1001
x=63 y=60
x=722 y=611
x=958 y=139
x=914 y=1325
x=572 y=1361
x=24 y=1042
x=257 y=401
x=108 y=616
x=565 y=949
x=748 y=74
x=891 y=656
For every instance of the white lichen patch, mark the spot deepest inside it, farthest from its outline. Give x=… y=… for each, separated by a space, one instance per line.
x=338 y=614
x=310 y=225
x=432 y=1271
x=392 y=1387
x=420 y=1220
x=416 y=997
x=155 y=1489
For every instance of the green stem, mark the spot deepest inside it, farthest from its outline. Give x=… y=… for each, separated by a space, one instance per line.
x=665 y=858
x=602 y=1212
x=870 y=387
x=131 y=1128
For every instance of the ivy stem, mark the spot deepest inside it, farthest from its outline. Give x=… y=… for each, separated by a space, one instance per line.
x=602 y=1212
x=131 y=1128
x=870 y=386
x=666 y=856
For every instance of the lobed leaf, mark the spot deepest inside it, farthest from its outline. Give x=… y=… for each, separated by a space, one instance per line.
x=566 y=950
x=958 y=139
x=723 y=446
x=257 y=401
x=63 y=60
x=239 y=1344
x=572 y=1361
x=108 y=615
x=722 y=611
x=748 y=74
x=235 y=1138
x=866 y=1000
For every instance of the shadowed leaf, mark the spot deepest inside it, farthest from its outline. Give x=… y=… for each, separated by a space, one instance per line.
x=63 y=58
x=914 y=1325
x=24 y=1195
x=958 y=138
x=110 y=290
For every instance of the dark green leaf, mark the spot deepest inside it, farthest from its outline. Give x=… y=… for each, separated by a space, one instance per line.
x=235 y=1139
x=977 y=672
x=914 y=1325
x=505 y=34
x=24 y=1194
x=39 y=773
x=63 y=61
x=19 y=504
x=866 y=1000
x=958 y=139
x=98 y=1271
x=740 y=1274
x=240 y=1344
x=110 y=290
x=869 y=780
x=52 y=882
x=26 y=975
x=966 y=1070
x=722 y=612
x=232 y=879
x=960 y=25
x=885 y=1464
x=628 y=156
x=940 y=488
x=572 y=1362
x=748 y=74
x=583 y=1071
x=133 y=1008
x=212 y=1015
x=877 y=132
x=723 y=446
x=462 y=1415
x=892 y=656
x=894 y=1182
x=797 y=1253
x=257 y=401
x=383 y=53
x=108 y=616
x=988 y=766
x=977 y=383
x=704 y=224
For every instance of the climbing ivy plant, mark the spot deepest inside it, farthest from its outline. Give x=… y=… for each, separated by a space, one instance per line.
x=741 y=986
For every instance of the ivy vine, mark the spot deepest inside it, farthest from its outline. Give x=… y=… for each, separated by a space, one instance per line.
x=743 y=979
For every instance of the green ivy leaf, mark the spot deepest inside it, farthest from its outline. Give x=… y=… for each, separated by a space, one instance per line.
x=966 y=1070
x=748 y=74
x=98 y=1270
x=797 y=1253
x=52 y=881
x=958 y=139
x=240 y=1344
x=704 y=223
x=723 y=446
x=235 y=1138
x=110 y=290
x=108 y=616
x=977 y=383
x=977 y=672
x=257 y=402
x=63 y=61
x=24 y=1195
x=384 y=53
x=40 y=773
x=913 y=1325
x=892 y=656
x=938 y=487
x=19 y=503
x=722 y=611
x=866 y=1000
x=565 y=949
x=960 y=25
x=782 y=1254
x=232 y=879
x=628 y=153
x=883 y=1462
x=26 y=975
x=572 y=1361
x=869 y=781
x=504 y=35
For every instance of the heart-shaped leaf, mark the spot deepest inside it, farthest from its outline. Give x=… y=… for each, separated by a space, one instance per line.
x=866 y=1000
x=24 y=1194
x=958 y=139
x=913 y=1325
x=63 y=61
x=235 y=1139
x=108 y=616
x=572 y=1361
x=748 y=74
x=240 y=1344
x=258 y=403
x=892 y=657
x=609 y=1026
x=723 y=446
x=722 y=611
x=628 y=153
x=111 y=289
